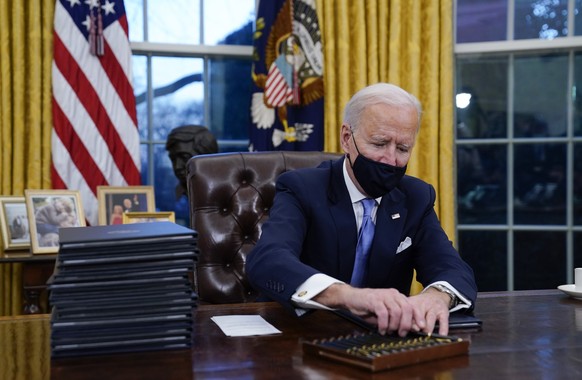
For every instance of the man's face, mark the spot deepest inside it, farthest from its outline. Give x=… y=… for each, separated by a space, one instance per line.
x=385 y=134
x=179 y=155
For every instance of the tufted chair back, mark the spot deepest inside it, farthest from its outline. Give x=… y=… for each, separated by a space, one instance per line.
x=230 y=196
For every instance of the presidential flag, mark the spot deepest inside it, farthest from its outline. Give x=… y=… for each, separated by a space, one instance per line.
x=287 y=98
x=95 y=139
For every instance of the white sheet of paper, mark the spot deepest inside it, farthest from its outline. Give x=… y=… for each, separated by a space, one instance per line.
x=244 y=325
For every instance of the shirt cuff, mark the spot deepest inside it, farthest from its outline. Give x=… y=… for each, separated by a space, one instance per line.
x=463 y=303
x=302 y=298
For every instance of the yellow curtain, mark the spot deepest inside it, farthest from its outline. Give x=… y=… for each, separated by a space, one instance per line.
x=25 y=113
x=410 y=44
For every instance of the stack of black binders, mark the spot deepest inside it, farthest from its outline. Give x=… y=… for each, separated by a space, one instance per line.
x=122 y=288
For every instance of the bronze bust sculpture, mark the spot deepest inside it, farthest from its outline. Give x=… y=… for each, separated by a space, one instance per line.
x=182 y=144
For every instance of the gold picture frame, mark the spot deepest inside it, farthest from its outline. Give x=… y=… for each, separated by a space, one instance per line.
x=146 y=217
x=49 y=210
x=14 y=223
x=114 y=201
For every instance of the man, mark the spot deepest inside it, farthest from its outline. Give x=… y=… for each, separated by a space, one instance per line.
x=306 y=256
x=127 y=205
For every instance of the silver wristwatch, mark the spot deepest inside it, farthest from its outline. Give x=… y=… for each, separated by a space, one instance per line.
x=444 y=289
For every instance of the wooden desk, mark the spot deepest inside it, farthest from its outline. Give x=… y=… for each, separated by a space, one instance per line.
x=36 y=270
x=526 y=335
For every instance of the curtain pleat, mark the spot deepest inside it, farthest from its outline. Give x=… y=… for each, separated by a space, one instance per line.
x=446 y=183
x=25 y=114
x=410 y=44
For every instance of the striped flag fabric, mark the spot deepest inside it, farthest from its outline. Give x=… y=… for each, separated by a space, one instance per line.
x=95 y=140
x=287 y=98
x=279 y=86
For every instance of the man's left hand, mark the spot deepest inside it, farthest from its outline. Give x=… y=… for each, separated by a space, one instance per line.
x=434 y=306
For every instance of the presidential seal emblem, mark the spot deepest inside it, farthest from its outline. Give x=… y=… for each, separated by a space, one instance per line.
x=293 y=77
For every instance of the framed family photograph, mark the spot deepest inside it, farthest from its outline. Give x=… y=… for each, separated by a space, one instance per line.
x=147 y=217
x=49 y=210
x=14 y=223
x=115 y=201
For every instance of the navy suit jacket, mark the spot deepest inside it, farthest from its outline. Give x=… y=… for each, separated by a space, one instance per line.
x=312 y=228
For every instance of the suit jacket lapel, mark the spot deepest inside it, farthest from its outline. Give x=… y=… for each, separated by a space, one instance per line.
x=390 y=219
x=345 y=222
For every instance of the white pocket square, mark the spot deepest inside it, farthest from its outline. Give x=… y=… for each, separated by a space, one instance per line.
x=404 y=244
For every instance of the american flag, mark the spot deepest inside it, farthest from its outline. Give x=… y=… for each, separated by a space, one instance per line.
x=279 y=86
x=95 y=139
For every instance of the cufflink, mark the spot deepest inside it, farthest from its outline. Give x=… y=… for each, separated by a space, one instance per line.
x=302 y=293
x=395 y=216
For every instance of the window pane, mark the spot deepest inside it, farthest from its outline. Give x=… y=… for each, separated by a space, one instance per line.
x=481 y=184
x=486 y=253
x=230 y=98
x=134 y=12
x=144 y=158
x=139 y=68
x=178 y=94
x=577 y=178
x=228 y=22
x=541 y=93
x=481 y=97
x=165 y=183
x=481 y=20
x=540 y=259
x=176 y=21
x=540 y=167
x=578 y=250
x=540 y=183
x=577 y=94
x=578 y=18
x=541 y=19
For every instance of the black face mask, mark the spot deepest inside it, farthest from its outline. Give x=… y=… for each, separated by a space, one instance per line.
x=376 y=178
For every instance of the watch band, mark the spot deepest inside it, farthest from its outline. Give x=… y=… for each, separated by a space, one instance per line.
x=444 y=289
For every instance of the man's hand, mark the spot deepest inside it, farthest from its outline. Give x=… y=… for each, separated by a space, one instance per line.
x=432 y=305
x=391 y=310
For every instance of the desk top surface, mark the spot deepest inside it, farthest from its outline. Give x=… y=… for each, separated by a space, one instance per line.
x=530 y=334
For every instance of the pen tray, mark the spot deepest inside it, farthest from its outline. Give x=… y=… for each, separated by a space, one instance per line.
x=376 y=352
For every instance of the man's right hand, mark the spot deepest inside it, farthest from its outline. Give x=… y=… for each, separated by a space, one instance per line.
x=389 y=309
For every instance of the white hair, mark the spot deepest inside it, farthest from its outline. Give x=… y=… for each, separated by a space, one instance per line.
x=379 y=93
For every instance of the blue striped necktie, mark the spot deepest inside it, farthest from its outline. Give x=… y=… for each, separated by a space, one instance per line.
x=365 y=237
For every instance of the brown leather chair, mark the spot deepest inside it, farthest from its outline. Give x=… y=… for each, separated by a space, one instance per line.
x=230 y=195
